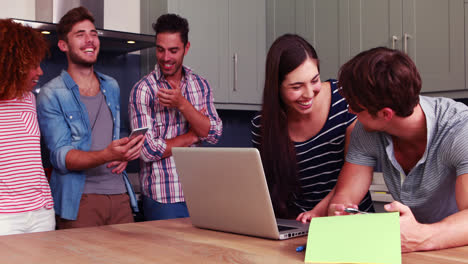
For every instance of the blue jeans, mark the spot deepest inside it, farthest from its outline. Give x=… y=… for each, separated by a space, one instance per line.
x=153 y=210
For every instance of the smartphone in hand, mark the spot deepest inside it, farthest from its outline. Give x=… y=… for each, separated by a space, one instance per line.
x=138 y=131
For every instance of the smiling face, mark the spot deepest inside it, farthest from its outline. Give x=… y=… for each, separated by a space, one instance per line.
x=33 y=77
x=170 y=52
x=300 y=87
x=82 y=44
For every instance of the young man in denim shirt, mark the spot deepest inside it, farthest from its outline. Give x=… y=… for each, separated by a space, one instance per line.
x=79 y=116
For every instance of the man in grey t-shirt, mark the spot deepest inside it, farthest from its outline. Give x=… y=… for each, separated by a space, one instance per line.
x=420 y=143
x=79 y=117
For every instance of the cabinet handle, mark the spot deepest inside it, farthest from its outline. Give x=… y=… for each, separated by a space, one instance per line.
x=394 y=40
x=405 y=42
x=234 y=58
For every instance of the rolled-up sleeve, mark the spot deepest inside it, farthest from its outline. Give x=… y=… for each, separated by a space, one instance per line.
x=216 y=125
x=141 y=113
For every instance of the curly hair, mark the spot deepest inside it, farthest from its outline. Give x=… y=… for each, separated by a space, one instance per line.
x=21 y=49
x=172 y=23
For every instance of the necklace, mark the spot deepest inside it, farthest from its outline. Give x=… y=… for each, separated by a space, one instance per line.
x=98 y=111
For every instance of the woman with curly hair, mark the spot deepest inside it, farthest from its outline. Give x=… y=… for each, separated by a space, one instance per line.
x=25 y=200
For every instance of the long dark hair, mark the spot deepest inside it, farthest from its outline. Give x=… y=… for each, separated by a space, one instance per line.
x=277 y=150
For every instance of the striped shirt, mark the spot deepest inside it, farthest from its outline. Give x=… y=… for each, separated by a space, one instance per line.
x=429 y=188
x=321 y=157
x=158 y=176
x=23 y=185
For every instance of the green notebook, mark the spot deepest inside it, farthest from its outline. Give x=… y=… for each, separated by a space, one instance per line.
x=361 y=238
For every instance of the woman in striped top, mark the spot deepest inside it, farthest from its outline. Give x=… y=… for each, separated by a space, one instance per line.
x=25 y=200
x=302 y=131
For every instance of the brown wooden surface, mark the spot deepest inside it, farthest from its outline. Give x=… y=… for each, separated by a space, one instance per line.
x=169 y=241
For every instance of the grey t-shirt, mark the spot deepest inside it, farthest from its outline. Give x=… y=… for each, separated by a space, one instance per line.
x=429 y=188
x=101 y=180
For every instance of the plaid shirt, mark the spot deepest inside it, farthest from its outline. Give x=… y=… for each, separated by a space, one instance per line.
x=158 y=176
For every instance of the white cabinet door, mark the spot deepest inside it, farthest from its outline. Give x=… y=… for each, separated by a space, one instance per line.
x=431 y=32
x=434 y=31
x=227 y=47
x=209 y=41
x=115 y=11
x=320 y=22
x=21 y=9
x=374 y=23
x=281 y=19
x=247 y=33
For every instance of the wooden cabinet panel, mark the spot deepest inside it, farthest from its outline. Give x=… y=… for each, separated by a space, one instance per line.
x=431 y=32
x=247 y=50
x=208 y=54
x=435 y=41
x=319 y=22
x=220 y=29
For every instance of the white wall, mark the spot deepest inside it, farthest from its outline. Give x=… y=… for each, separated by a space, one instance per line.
x=24 y=9
x=121 y=15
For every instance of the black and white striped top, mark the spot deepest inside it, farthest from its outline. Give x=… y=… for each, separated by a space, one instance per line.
x=321 y=157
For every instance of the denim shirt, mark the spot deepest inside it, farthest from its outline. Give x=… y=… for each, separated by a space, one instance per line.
x=64 y=124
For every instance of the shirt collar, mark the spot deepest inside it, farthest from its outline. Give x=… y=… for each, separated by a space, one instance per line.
x=68 y=80
x=186 y=71
x=70 y=83
x=428 y=111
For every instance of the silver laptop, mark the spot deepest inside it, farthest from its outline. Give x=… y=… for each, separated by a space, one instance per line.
x=225 y=189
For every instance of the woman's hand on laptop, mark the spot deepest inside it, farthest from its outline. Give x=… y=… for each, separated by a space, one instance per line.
x=306 y=216
x=318 y=211
x=321 y=209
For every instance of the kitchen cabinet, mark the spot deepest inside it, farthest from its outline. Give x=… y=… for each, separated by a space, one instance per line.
x=209 y=42
x=21 y=9
x=118 y=11
x=247 y=48
x=318 y=21
x=227 y=46
x=431 y=32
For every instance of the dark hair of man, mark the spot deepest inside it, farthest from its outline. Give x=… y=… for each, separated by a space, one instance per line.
x=276 y=148
x=379 y=78
x=172 y=23
x=72 y=17
x=21 y=49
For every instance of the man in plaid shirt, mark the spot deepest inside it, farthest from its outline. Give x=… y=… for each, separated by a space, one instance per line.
x=177 y=106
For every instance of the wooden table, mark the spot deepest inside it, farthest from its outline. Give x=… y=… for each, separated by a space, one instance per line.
x=169 y=241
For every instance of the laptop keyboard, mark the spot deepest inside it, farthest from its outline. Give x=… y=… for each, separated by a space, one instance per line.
x=284 y=228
